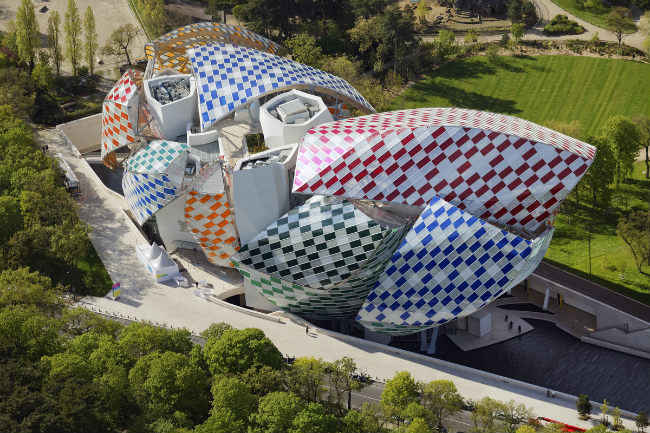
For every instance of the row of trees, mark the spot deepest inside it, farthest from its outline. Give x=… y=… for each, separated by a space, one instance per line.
x=77 y=41
x=617 y=145
x=40 y=228
x=584 y=406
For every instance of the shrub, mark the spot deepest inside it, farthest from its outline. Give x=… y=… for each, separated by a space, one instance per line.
x=562 y=25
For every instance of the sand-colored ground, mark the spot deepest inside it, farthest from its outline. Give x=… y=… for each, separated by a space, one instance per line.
x=109 y=15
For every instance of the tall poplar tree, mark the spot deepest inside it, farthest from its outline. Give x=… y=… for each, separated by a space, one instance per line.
x=27 y=33
x=72 y=28
x=90 y=39
x=54 y=40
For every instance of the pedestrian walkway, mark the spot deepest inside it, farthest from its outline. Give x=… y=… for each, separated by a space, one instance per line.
x=115 y=237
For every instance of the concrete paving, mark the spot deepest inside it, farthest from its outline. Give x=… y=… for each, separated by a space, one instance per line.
x=115 y=237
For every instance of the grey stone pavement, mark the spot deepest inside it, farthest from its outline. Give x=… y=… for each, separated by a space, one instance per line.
x=114 y=237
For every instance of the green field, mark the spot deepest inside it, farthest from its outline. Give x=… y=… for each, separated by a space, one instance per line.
x=561 y=88
x=539 y=88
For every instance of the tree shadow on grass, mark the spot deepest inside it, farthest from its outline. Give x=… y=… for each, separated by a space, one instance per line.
x=464 y=70
x=420 y=94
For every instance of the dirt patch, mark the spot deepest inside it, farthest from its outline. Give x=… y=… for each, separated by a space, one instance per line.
x=109 y=15
x=446 y=18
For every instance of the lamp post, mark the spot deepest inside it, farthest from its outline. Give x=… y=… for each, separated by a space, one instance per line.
x=589 y=242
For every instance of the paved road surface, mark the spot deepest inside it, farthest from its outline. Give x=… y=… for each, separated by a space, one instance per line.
x=593 y=290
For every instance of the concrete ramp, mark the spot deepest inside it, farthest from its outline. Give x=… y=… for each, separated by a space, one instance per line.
x=84 y=133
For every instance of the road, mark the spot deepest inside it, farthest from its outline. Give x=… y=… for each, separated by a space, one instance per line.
x=593 y=290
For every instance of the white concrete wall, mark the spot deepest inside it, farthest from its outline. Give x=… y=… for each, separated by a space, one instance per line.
x=260 y=197
x=277 y=133
x=171 y=223
x=173 y=117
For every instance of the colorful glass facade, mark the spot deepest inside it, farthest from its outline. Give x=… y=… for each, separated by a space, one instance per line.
x=228 y=76
x=404 y=220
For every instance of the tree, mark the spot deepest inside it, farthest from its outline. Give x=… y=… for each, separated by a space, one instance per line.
x=368 y=419
x=140 y=339
x=43 y=78
x=635 y=232
x=276 y=412
x=54 y=40
x=624 y=137
x=485 y=415
x=118 y=43
x=28 y=334
x=28 y=39
x=215 y=7
x=238 y=350
x=215 y=330
x=263 y=380
x=165 y=384
x=72 y=26
x=445 y=45
x=643 y=126
x=604 y=410
x=153 y=16
x=592 y=4
x=90 y=39
x=515 y=11
x=313 y=419
x=619 y=22
x=342 y=377
x=232 y=404
x=367 y=8
x=517 y=31
x=526 y=429
x=22 y=287
x=642 y=421
x=514 y=414
x=306 y=378
x=17 y=91
x=470 y=37
x=616 y=419
x=584 y=406
x=418 y=425
x=602 y=170
x=421 y=12
x=441 y=398
x=11 y=220
x=399 y=392
x=77 y=321
x=305 y=49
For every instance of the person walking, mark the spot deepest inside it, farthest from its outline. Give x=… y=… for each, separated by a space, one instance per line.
x=506 y=317
x=519 y=329
x=307 y=330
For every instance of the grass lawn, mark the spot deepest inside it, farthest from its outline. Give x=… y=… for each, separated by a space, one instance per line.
x=597 y=16
x=561 y=88
x=612 y=263
x=537 y=88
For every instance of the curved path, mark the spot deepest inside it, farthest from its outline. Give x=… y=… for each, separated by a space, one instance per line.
x=549 y=10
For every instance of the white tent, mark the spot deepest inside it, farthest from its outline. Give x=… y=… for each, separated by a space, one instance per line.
x=157 y=262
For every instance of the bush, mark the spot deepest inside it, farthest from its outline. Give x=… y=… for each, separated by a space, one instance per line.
x=562 y=25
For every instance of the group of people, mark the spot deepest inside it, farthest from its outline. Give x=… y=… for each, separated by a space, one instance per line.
x=510 y=325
